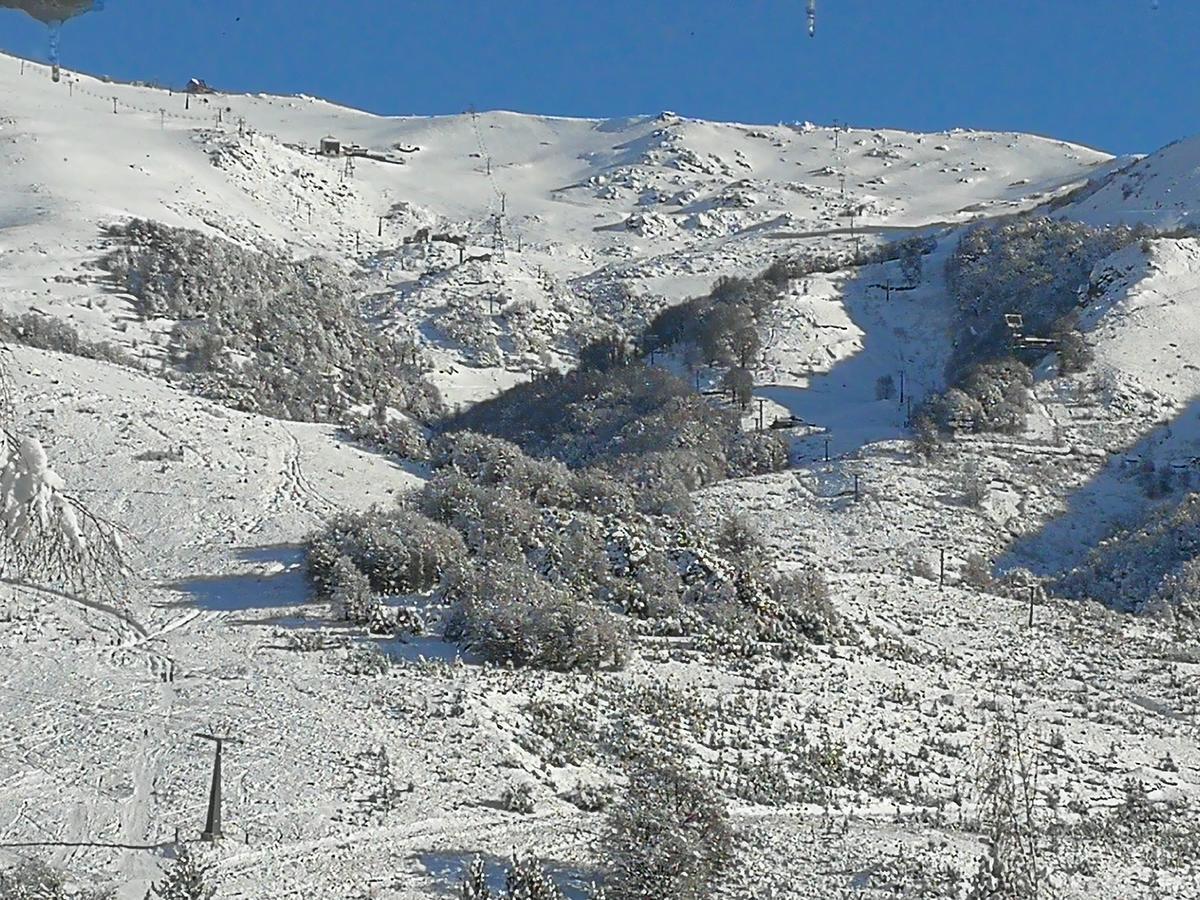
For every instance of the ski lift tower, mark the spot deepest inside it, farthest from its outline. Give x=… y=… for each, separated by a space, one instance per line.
x=212 y=825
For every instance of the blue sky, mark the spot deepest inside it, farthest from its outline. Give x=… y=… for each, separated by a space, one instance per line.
x=1121 y=75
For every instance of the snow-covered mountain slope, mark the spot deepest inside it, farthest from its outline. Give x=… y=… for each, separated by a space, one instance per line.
x=364 y=777
x=660 y=203
x=1162 y=189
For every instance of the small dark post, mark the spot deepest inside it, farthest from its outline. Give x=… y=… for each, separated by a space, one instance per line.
x=761 y=402
x=357 y=241
x=1032 y=590
x=697 y=380
x=114 y=106
x=901 y=387
x=826 y=449
x=462 y=252
x=381 y=226
x=855 y=487
x=187 y=101
x=942 y=569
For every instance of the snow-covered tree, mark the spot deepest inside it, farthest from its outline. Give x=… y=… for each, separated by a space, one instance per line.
x=187 y=879
x=48 y=536
x=669 y=838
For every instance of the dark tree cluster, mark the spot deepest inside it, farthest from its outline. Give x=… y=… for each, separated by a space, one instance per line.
x=639 y=423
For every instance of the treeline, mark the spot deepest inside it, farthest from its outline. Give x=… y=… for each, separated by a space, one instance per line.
x=528 y=562
x=265 y=333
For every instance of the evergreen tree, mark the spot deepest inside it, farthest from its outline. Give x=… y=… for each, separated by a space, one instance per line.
x=186 y=880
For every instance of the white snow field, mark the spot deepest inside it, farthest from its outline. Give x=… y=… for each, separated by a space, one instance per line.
x=371 y=767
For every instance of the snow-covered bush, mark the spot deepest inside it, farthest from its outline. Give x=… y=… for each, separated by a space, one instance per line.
x=723 y=324
x=265 y=333
x=509 y=616
x=805 y=607
x=350 y=591
x=977 y=572
x=47 y=333
x=991 y=396
x=398 y=551
x=643 y=425
x=34 y=880
x=525 y=879
x=518 y=798
x=668 y=836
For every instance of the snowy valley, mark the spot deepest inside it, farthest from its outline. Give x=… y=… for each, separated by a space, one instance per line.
x=491 y=478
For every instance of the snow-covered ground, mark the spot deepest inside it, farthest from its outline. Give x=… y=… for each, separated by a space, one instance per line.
x=360 y=779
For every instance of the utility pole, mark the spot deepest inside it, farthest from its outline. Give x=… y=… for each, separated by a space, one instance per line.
x=212 y=824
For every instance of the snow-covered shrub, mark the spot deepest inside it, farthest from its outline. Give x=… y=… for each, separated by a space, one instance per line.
x=977 y=572
x=740 y=384
x=518 y=798
x=34 y=880
x=1074 y=352
x=738 y=536
x=756 y=453
x=723 y=324
x=643 y=425
x=973 y=486
x=47 y=333
x=1152 y=567
x=350 y=591
x=398 y=435
x=398 y=551
x=589 y=797
x=991 y=396
x=525 y=879
x=1006 y=785
x=509 y=616
x=803 y=607
x=265 y=333
x=46 y=535
x=667 y=837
